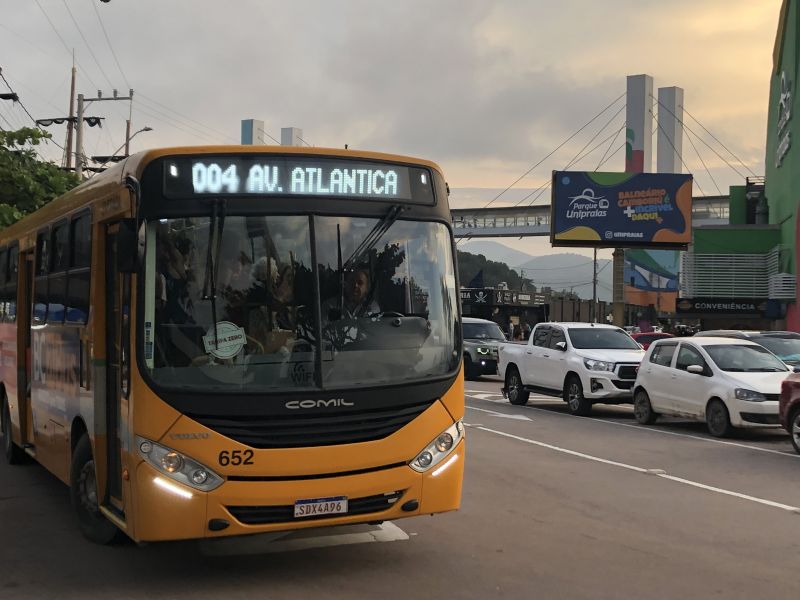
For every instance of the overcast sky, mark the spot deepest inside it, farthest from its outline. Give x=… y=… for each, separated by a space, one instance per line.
x=485 y=89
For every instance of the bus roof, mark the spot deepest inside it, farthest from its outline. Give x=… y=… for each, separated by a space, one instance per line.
x=107 y=183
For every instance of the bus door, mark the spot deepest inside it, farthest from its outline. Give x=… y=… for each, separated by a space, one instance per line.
x=25 y=360
x=117 y=314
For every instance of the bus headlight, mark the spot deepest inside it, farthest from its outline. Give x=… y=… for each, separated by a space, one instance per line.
x=177 y=466
x=438 y=449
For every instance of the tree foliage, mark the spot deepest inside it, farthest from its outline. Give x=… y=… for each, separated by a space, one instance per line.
x=26 y=181
x=469 y=265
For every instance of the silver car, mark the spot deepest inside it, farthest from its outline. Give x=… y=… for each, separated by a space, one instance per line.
x=481 y=338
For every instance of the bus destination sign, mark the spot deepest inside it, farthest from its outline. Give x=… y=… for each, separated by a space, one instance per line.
x=259 y=175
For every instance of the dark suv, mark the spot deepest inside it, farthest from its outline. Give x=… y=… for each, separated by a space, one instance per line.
x=783 y=344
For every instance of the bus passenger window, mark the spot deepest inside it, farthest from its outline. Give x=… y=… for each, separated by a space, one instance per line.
x=77 y=300
x=40 y=295
x=57 y=278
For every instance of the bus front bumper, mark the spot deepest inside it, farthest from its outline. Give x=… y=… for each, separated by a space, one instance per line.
x=166 y=510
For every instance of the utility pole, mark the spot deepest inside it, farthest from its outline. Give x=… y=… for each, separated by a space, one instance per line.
x=70 y=125
x=593 y=315
x=82 y=103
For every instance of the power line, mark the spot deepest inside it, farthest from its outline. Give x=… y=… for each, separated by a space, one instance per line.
x=525 y=174
x=108 y=40
x=3 y=77
x=185 y=117
x=719 y=142
x=174 y=124
x=85 y=41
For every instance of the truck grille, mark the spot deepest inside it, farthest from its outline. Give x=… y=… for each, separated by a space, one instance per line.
x=263 y=515
x=298 y=430
x=627 y=371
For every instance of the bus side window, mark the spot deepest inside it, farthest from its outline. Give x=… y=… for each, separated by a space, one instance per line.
x=3 y=290
x=11 y=284
x=40 y=295
x=57 y=273
x=80 y=243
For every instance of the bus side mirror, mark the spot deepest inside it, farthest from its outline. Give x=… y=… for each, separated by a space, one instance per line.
x=127 y=246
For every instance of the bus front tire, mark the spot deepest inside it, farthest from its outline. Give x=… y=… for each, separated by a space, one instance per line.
x=84 y=496
x=13 y=453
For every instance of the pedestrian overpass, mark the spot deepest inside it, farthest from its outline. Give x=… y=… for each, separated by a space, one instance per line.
x=522 y=221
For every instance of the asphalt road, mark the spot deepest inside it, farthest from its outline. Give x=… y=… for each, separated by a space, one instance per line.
x=554 y=506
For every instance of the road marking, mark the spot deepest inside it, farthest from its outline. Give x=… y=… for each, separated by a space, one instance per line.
x=501 y=415
x=295 y=540
x=656 y=430
x=653 y=472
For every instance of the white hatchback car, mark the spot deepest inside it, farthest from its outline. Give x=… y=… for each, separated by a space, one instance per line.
x=727 y=382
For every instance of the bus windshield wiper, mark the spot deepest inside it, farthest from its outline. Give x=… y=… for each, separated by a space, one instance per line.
x=372 y=238
x=212 y=260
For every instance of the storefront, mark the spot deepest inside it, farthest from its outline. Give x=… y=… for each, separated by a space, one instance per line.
x=730 y=313
x=507 y=308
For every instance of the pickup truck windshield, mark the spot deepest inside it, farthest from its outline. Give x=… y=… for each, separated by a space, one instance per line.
x=596 y=338
x=483 y=331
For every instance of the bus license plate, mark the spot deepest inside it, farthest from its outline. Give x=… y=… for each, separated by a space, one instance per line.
x=320 y=506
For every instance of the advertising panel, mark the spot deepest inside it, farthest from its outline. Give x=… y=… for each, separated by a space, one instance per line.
x=618 y=210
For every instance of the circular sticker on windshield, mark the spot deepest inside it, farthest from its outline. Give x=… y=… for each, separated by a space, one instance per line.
x=230 y=340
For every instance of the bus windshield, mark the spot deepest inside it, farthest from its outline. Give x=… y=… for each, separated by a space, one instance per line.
x=245 y=303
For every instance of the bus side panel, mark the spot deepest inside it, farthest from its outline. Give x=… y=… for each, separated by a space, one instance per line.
x=54 y=394
x=9 y=375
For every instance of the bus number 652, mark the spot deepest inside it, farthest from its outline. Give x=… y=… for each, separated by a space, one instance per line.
x=235 y=457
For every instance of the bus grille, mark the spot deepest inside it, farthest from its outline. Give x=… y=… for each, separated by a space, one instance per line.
x=296 y=431
x=264 y=515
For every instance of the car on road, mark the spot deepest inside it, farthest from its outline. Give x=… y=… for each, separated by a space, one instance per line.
x=481 y=339
x=645 y=339
x=584 y=363
x=789 y=408
x=783 y=344
x=727 y=382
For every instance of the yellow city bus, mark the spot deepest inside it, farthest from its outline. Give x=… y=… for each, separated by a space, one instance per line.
x=216 y=341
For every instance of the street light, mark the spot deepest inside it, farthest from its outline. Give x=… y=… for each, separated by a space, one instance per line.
x=113 y=154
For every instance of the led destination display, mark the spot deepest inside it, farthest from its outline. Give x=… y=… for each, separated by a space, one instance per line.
x=288 y=176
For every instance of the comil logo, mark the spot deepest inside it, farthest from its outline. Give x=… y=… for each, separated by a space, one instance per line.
x=332 y=403
x=587 y=205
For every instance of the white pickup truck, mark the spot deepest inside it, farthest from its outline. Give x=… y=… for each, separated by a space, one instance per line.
x=584 y=363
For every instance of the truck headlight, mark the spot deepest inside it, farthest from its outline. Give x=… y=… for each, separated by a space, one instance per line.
x=177 y=466
x=598 y=365
x=749 y=395
x=438 y=449
x=481 y=350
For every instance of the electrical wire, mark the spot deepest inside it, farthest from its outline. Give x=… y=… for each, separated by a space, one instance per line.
x=108 y=41
x=185 y=117
x=175 y=125
x=88 y=47
x=525 y=174
x=3 y=77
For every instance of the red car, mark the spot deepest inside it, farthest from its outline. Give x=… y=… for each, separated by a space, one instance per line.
x=789 y=408
x=645 y=339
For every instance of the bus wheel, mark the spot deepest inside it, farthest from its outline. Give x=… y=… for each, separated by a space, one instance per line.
x=83 y=492
x=13 y=453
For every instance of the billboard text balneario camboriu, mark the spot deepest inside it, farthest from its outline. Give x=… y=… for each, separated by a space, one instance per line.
x=620 y=210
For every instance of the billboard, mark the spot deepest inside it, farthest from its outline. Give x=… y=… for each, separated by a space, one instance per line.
x=619 y=210
x=651 y=277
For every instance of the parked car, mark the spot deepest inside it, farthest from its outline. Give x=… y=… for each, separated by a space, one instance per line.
x=783 y=344
x=584 y=363
x=727 y=382
x=645 y=339
x=789 y=408
x=481 y=338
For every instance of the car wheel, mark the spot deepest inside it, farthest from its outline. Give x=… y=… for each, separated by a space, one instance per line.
x=13 y=453
x=794 y=430
x=85 y=496
x=573 y=396
x=517 y=394
x=469 y=368
x=718 y=419
x=642 y=409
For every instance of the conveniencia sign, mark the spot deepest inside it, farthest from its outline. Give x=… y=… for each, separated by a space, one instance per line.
x=621 y=209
